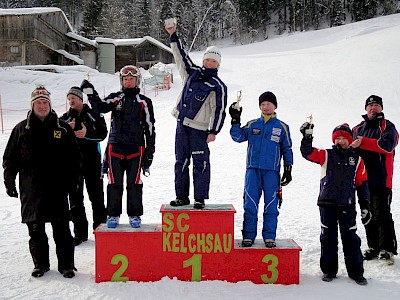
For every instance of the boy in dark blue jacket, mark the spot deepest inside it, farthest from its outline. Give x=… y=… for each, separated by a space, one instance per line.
x=268 y=141
x=343 y=172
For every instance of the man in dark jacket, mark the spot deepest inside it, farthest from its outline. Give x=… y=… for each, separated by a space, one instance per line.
x=375 y=141
x=90 y=129
x=200 y=114
x=131 y=143
x=44 y=152
x=343 y=172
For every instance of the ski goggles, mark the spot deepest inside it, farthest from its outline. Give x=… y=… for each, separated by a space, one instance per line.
x=129 y=71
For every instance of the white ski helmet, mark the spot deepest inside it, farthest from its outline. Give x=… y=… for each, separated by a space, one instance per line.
x=130 y=70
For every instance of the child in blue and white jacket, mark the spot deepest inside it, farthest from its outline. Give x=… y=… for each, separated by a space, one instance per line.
x=268 y=142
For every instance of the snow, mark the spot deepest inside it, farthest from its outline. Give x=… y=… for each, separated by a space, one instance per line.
x=327 y=73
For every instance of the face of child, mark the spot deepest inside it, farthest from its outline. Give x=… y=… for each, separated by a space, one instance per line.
x=342 y=142
x=210 y=63
x=267 y=108
x=129 y=81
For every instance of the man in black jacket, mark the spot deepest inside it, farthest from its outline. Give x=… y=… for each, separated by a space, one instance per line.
x=44 y=152
x=90 y=129
x=375 y=141
x=131 y=143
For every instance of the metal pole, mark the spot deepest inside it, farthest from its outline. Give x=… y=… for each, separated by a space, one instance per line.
x=201 y=23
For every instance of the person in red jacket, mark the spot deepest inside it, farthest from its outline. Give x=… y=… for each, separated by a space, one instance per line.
x=342 y=173
x=375 y=141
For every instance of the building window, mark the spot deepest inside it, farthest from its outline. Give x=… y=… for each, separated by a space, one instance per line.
x=14 y=49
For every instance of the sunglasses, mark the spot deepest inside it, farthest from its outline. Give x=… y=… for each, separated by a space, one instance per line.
x=129 y=70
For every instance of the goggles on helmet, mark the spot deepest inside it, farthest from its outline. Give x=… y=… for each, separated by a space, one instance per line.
x=129 y=71
x=40 y=90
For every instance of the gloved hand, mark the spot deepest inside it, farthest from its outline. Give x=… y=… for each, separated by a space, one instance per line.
x=146 y=163
x=366 y=216
x=307 y=130
x=287 y=175
x=235 y=113
x=12 y=192
x=87 y=87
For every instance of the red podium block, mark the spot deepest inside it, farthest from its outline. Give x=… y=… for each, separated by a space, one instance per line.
x=192 y=245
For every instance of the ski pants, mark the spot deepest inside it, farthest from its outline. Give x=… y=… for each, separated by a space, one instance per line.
x=260 y=181
x=380 y=230
x=91 y=176
x=123 y=159
x=39 y=246
x=191 y=143
x=331 y=216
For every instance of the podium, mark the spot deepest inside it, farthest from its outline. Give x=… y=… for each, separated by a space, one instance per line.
x=192 y=245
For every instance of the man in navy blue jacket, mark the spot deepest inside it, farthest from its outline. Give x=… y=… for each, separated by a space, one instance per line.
x=200 y=114
x=375 y=141
x=268 y=141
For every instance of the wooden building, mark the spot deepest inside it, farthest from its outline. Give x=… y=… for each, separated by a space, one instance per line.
x=40 y=36
x=32 y=36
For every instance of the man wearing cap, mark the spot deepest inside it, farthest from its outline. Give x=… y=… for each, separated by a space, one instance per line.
x=131 y=143
x=44 y=153
x=90 y=129
x=375 y=141
x=342 y=174
x=268 y=142
x=200 y=114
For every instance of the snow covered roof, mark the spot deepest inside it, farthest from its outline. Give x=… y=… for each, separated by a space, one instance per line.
x=33 y=11
x=81 y=39
x=135 y=41
x=71 y=56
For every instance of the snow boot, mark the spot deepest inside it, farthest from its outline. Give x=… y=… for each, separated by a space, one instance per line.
x=247 y=243
x=135 y=221
x=179 y=202
x=112 y=222
x=39 y=272
x=269 y=243
x=328 y=277
x=370 y=254
x=199 y=204
x=360 y=280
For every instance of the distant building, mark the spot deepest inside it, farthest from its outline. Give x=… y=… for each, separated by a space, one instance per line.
x=40 y=36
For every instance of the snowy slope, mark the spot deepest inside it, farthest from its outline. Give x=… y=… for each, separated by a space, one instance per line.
x=327 y=73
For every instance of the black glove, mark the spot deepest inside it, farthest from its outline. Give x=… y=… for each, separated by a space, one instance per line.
x=287 y=175
x=235 y=113
x=146 y=163
x=366 y=216
x=87 y=87
x=12 y=192
x=307 y=130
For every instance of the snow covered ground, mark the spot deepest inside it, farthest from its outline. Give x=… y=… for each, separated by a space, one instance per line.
x=327 y=73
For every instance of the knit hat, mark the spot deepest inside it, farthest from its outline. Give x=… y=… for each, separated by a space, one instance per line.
x=75 y=90
x=344 y=131
x=373 y=99
x=40 y=92
x=213 y=52
x=268 y=96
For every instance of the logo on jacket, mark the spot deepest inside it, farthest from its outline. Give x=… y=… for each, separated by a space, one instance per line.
x=276 y=134
x=352 y=161
x=57 y=134
x=119 y=105
x=256 y=131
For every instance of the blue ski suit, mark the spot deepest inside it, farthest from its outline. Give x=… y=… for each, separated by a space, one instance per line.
x=268 y=141
x=200 y=110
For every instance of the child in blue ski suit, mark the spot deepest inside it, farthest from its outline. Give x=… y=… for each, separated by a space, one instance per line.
x=268 y=141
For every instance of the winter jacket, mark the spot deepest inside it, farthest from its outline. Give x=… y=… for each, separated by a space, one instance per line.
x=202 y=103
x=132 y=119
x=96 y=129
x=342 y=173
x=268 y=141
x=377 y=148
x=47 y=158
